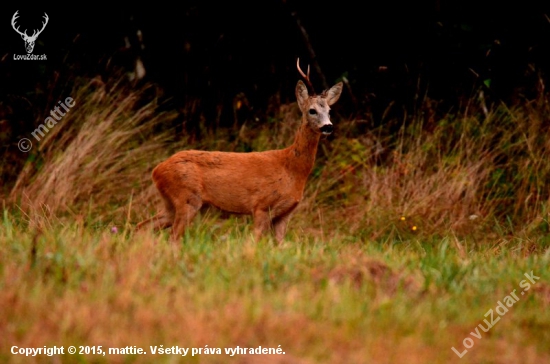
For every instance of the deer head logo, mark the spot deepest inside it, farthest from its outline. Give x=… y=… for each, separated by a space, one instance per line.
x=29 y=40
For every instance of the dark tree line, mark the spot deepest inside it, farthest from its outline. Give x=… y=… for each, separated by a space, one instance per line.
x=208 y=53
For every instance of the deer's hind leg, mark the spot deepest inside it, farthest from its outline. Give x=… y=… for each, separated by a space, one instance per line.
x=186 y=207
x=162 y=220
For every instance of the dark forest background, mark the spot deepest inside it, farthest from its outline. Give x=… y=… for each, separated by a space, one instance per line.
x=205 y=55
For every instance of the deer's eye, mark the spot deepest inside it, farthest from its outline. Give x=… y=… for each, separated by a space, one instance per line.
x=312 y=112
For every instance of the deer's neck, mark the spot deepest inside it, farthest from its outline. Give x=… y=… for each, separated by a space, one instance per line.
x=302 y=152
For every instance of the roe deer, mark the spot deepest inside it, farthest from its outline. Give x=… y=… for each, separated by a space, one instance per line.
x=267 y=185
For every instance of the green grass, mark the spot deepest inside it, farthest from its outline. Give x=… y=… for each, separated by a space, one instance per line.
x=344 y=299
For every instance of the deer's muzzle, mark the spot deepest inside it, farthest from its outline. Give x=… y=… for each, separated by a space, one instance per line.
x=327 y=129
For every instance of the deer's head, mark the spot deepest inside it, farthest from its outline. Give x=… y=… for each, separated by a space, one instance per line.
x=316 y=108
x=29 y=40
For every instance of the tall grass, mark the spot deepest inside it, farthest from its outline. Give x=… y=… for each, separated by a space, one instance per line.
x=98 y=156
x=477 y=172
x=470 y=174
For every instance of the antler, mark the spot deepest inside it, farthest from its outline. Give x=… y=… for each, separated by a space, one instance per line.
x=13 y=24
x=43 y=26
x=308 y=81
x=44 y=23
x=24 y=34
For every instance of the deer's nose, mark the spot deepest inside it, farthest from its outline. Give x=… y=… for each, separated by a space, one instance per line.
x=327 y=129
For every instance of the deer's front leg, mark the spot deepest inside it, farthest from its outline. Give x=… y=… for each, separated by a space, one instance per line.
x=279 y=225
x=262 y=223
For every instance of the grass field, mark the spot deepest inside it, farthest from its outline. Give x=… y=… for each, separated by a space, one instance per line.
x=339 y=300
x=403 y=246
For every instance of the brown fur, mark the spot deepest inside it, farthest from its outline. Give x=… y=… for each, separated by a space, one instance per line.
x=267 y=185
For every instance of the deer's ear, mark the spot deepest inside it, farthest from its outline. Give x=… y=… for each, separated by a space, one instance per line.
x=333 y=94
x=301 y=94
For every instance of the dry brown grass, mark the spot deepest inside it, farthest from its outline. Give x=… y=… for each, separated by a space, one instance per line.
x=469 y=173
x=99 y=154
